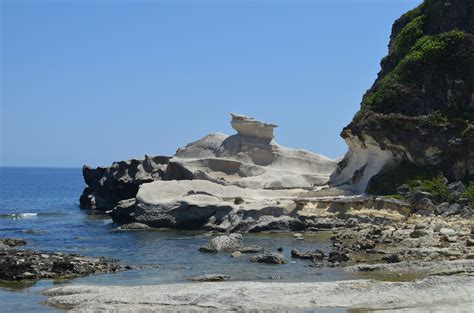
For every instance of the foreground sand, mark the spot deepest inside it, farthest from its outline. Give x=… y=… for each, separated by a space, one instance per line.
x=433 y=294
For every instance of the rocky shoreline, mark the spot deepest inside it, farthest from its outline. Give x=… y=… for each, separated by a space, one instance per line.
x=16 y=264
x=400 y=201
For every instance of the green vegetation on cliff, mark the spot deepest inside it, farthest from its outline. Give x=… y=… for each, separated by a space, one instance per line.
x=469 y=193
x=421 y=106
x=403 y=90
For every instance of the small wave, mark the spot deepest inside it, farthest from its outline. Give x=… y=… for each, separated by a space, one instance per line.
x=31 y=215
x=19 y=215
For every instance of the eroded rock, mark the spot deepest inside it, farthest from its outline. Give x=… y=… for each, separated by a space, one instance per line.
x=270 y=258
x=228 y=243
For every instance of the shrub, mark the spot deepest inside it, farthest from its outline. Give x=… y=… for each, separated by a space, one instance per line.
x=469 y=193
x=409 y=36
x=426 y=179
x=387 y=183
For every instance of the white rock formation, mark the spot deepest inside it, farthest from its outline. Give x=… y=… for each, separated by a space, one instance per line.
x=201 y=204
x=362 y=161
x=250 y=159
x=243 y=182
x=249 y=127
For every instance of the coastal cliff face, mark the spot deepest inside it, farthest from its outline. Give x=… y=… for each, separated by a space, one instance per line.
x=420 y=110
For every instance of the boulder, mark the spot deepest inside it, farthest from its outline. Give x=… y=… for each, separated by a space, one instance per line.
x=250 y=127
x=251 y=249
x=457 y=189
x=227 y=243
x=310 y=255
x=337 y=256
x=270 y=258
x=453 y=209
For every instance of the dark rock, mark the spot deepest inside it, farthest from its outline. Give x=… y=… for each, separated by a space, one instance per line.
x=270 y=258
x=403 y=190
x=336 y=256
x=424 y=206
x=210 y=278
x=364 y=245
x=11 y=242
x=417 y=233
x=310 y=255
x=280 y=223
x=453 y=209
x=26 y=264
x=106 y=186
x=420 y=195
x=463 y=201
x=393 y=258
x=227 y=243
x=457 y=189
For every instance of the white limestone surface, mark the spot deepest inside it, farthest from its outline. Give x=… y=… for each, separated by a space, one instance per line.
x=362 y=161
x=251 y=160
x=440 y=294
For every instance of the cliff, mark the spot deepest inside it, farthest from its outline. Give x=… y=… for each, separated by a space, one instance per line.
x=418 y=116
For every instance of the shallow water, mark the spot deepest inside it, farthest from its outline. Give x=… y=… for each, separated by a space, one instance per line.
x=41 y=206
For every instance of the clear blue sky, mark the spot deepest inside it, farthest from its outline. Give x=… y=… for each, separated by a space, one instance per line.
x=98 y=81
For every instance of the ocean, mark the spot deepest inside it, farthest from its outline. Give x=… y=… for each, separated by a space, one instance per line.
x=41 y=206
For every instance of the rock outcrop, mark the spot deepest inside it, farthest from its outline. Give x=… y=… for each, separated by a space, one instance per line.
x=249 y=127
x=249 y=159
x=28 y=265
x=420 y=110
x=201 y=204
x=106 y=186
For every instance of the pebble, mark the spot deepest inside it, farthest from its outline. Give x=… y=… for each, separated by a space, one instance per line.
x=236 y=254
x=298 y=236
x=447 y=231
x=451 y=239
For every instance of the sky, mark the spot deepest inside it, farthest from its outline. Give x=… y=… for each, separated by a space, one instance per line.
x=92 y=82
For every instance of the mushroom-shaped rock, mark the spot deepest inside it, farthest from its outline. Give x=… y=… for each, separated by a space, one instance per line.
x=250 y=127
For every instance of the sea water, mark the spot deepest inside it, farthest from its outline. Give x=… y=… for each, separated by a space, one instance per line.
x=41 y=205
